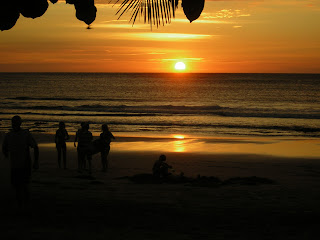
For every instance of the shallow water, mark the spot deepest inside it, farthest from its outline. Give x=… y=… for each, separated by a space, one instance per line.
x=265 y=105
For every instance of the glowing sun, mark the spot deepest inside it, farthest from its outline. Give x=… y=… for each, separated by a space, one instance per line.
x=180 y=66
x=178 y=137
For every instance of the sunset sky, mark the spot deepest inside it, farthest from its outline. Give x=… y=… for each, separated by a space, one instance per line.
x=230 y=36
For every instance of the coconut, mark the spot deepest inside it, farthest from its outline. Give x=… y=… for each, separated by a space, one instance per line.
x=9 y=15
x=86 y=11
x=33 y=8
x=192 y=9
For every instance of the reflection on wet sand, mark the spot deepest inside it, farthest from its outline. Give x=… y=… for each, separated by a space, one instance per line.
x=276 y=147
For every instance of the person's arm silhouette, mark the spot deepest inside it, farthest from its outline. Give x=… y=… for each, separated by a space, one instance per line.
x=36 y=158
x=33 y=144
x=5 y=149
x=67 y=135
x=75 y=140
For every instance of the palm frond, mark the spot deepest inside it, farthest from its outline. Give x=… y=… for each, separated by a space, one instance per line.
x=154 y=12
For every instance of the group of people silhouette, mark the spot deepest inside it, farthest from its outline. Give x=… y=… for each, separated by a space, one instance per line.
x=86 y=146
x=17 y=143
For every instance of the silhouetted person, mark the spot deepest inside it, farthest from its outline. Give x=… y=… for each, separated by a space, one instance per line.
x=161 y=168
x=105 y=137
x=60 y=140
x=84 y=139
x=16 y=146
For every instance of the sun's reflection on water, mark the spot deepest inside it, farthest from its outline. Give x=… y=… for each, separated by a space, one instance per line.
x=179 y=145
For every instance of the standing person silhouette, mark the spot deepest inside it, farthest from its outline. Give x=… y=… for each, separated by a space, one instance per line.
x=84 y=138
x=60 y=140
x=16 y=146
x=106 y=136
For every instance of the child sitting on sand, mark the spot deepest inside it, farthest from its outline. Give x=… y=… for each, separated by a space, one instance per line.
x=161 y=168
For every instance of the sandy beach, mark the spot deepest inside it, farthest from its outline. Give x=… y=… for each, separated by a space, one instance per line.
x=67 y=204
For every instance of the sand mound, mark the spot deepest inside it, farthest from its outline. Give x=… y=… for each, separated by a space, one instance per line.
x=200 y=181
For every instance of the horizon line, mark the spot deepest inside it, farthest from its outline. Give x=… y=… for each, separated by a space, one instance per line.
x=178 y=73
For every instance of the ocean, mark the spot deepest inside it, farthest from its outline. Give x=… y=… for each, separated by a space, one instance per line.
x=198 y=104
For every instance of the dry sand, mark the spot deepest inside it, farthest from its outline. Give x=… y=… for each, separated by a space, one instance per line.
x=64 y=206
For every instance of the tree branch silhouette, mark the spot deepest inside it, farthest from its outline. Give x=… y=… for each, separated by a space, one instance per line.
x=153 y=12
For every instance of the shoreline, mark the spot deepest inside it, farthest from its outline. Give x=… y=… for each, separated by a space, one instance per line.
x=174 y=143
x=222 y=156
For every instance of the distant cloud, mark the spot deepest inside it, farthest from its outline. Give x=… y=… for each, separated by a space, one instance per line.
x=182 y=59
x=207 y=21
x=156 y=53
x=121 y=25
x=151 y=36
x=225 y=14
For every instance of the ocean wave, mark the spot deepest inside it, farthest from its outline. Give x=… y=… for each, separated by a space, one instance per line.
x=67 y=99
x=87 y=114
x=150 y=110
x=263 y=128
x=229 y=126
x=125 y=108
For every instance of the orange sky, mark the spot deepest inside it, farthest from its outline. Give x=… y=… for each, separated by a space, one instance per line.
x=230 y=36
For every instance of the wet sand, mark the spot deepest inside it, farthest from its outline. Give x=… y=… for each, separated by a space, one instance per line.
x=68 y=204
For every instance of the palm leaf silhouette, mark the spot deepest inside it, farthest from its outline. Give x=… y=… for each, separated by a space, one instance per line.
x=154 y=12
